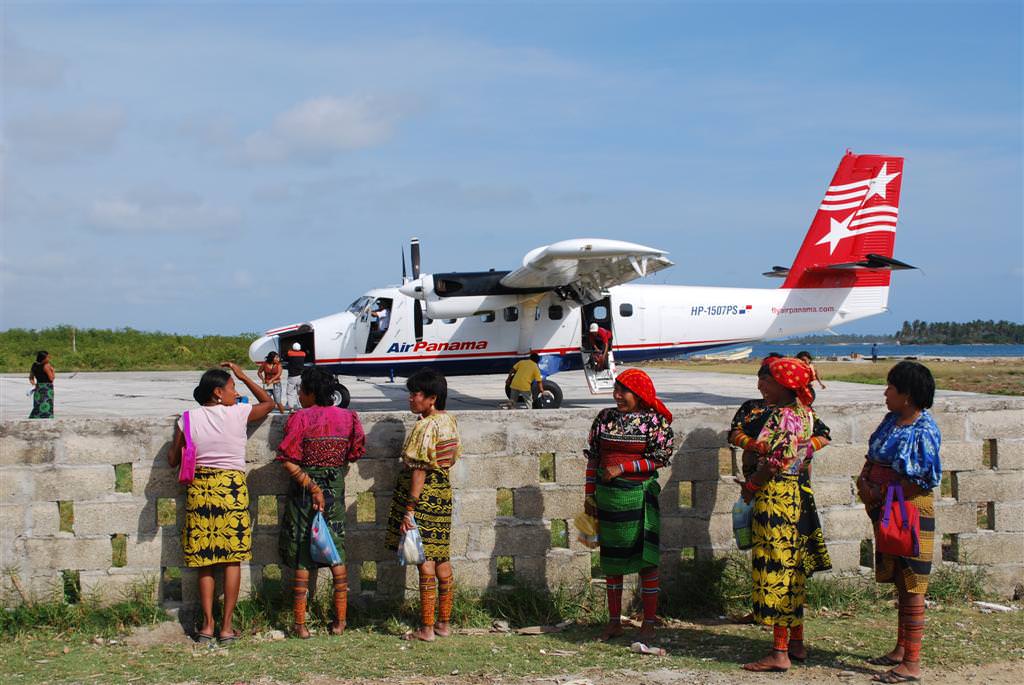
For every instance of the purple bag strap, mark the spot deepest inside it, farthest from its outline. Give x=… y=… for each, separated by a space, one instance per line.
x=898 y=489
x=186 y=429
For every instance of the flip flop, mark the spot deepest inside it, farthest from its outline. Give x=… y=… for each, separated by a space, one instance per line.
x=884 y=660
x=894 y=677
x=205 y=639
x=228 y=639
x=798 y=659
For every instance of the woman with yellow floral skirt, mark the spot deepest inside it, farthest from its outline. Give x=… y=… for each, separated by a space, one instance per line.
x=218 y=528
x=778 y=554
x=423 y=498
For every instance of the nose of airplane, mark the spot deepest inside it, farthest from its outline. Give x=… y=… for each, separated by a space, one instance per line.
x=413 y=289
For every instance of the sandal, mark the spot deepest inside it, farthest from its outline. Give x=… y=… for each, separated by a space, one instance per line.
x=884 y=660
x=228 y=639
x=894 y=677
x=205 y=639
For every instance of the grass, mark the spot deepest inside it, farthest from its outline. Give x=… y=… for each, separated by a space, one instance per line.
x=993 y=376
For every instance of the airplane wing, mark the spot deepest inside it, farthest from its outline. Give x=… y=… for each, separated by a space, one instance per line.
x=588 y=265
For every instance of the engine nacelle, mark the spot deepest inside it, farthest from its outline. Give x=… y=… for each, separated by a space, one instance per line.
x=459 y=307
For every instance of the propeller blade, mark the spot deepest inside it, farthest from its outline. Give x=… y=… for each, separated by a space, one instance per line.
x=417 y=320
x=414 y=253
x=405 y=278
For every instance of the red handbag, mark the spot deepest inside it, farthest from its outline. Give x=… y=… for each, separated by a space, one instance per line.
x=898 y=529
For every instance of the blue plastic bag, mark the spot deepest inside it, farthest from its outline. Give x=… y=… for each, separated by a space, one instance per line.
x=321 y=544
x=410 y=547
x=742 y=519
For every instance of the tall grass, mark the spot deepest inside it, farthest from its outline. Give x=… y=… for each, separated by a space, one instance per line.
x=124 y=349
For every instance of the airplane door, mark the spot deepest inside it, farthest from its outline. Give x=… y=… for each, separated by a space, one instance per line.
x=598 y=366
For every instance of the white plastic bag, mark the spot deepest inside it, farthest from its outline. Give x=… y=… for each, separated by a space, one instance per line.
x=410 y=547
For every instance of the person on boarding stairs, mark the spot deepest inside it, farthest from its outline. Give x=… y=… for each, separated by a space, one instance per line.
x=599 y=341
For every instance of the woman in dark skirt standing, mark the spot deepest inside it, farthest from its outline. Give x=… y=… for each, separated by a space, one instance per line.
x=319 y=441
x=41 y=377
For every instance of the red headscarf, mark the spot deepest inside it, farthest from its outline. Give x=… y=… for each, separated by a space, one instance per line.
x=640 y=384
x=795 y=375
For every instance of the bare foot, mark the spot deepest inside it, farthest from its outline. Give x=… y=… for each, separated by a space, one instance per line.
x=611 y=631
x=300 y=631
x=776 y=662
x=646 y=632
x=424 y=634
x=337 y=627
x=442 y=629
x=797 y=650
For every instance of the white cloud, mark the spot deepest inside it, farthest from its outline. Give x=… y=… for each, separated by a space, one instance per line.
x=63 y=136
x=25 y=67
x=143 y=212
x=319 y=129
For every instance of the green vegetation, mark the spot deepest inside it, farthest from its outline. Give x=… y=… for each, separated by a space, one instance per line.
x=119 y=350
x=937 y=333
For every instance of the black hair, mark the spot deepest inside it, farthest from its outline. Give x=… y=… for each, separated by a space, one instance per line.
x=431 y=383
x=40 y=356
x=320 y=384
x=914 y=379
x=804 y=353
x=534 y=357
x=211 y=380
x=270 y=356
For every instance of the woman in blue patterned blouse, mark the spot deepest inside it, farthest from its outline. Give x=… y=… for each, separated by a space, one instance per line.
x=904 y=449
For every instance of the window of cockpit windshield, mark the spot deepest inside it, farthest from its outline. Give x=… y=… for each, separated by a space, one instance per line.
x=359 y=305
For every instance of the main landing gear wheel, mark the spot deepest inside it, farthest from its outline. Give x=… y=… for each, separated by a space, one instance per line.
x=551 y=398
x=341 y=396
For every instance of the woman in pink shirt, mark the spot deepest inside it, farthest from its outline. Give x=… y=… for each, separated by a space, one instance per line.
x=218 y=528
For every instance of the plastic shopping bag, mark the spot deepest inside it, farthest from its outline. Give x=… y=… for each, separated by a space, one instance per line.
x=742 y=518
x=321 y=544
x=588 y=528
x=410 y=547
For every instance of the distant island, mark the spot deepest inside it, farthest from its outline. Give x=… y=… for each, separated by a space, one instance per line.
x=932 y=333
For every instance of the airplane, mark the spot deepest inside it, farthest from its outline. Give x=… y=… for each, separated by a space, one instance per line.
x=482 y=322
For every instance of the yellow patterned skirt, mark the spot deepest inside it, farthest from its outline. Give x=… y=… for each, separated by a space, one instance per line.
x=914 y=571
x=218 y=527
x=778 y=554
x=433 y=513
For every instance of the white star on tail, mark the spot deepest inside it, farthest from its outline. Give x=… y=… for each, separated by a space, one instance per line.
x=876 y=186
x=840 y=230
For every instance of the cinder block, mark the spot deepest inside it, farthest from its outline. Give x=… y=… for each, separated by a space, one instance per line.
x=17 y=485
x=268 y=479
x=531 y=570
x=16 y=451
x=1009 y=517
x=989 y=486
x=99 y=518
x=385 y=435
x=76 y=483
x=43 y=519
x=845 y=555
x=567 y=568
x=955 y=517
x=1010 y=454
x=264 y=546
x=13 y=519
x=156 y=481
x=570 y=469
x=154 y=551
x=489 y=472
x=840 y=425
x=473 y=506
x=961 y=456
x=1007 y=580
x=715 y=496
x=80 y=554
x=866 y=420
x=953 y=425
x=117 y=585
x=481 y=439
x=989 y=547
x=561 y=501
x=832 y=491
x=476 y=573
x=367 y=545
x=372 y=474
x=104 y=448
x=697 y=433
x=1005 y=423
x=521 y=539
x=845 y=523
x=698 y=464
x=719 y=531
x=839 y=460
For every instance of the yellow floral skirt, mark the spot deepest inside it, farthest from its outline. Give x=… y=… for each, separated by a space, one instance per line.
x=778 y=554
x=218 y=527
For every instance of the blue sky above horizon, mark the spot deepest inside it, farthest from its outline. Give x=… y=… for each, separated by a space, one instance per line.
x=214 y=168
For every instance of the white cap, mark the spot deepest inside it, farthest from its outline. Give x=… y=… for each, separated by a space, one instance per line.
x=593 y=328
x=296 y=346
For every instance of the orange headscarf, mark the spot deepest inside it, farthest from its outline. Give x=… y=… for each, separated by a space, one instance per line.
x=795 y=375
x=641 y=385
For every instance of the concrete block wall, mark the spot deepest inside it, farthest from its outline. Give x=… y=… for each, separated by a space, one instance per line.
x=110 y=476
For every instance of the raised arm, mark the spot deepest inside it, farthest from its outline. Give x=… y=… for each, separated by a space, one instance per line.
x=265 y=405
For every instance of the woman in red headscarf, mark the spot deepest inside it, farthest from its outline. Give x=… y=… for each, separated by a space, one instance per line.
x=627 y=445
x=779 y=549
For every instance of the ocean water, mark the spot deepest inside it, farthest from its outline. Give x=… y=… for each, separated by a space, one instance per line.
x=820 y=351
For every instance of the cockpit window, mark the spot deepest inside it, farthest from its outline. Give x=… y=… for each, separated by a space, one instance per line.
x=359 y=305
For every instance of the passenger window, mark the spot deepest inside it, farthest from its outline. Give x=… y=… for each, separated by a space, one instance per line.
x=510 y=314
x=601 y=312
x=449 y=320
x=555 y=312
x=487 y=317
x=427 y=320
x=625 y=309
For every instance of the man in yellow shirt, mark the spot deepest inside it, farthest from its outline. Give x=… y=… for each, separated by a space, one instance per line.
x=521 y=378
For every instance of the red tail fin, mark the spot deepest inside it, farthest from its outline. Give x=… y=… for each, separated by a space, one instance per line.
x=857 y=218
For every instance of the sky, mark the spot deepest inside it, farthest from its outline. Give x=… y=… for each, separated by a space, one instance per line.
x=223 y=168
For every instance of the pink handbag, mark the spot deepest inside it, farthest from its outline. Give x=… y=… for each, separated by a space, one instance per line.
x=187 y=471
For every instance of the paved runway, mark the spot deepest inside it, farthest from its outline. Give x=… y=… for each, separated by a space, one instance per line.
x=166 y=393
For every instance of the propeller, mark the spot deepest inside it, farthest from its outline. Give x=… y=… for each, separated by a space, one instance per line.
x=414 y=255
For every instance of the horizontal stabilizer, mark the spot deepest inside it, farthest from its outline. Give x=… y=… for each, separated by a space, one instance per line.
x=777 y=272
x=874 y=261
